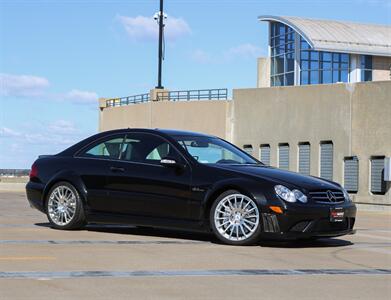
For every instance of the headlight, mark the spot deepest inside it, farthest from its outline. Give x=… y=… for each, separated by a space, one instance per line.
x=300 y=196
x=290 y=196
x=346 y=195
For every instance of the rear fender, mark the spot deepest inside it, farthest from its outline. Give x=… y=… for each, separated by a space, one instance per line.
x=72 y=178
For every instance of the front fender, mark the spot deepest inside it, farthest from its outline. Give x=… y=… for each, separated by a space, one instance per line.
x=258 y=190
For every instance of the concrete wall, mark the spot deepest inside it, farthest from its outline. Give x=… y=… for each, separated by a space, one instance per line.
x=381 y=68
x=355 y=117
x=263 y=79
x=371 y=132
x=211 y=117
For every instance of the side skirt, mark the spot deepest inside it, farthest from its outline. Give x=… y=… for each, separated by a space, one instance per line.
x=125 y=219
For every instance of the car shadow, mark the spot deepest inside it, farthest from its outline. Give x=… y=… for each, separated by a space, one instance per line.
x=146 y=231
x=206 y=237
x=318 y=243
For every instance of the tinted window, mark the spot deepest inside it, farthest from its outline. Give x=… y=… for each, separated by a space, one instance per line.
x=324 y=67
x=209 y=150
x=109 y=148
x=147 y=148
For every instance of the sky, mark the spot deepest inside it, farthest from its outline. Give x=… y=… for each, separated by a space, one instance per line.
x=58 y=57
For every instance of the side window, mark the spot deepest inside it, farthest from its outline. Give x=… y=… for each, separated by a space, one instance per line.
x=128 y=148
x=147 y=148
x=161 y=151
x=109 y=149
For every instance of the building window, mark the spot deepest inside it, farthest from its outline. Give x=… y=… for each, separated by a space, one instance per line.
x=283 y=156
x=378 y=185
x=366 y=68
x=322 y=67
x=304 y=158
x=248 y=149
x=265 y=154
x=326 y=160
x=282 y=43
x=351 y=174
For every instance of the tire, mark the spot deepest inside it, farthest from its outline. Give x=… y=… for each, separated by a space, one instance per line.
x=235 y=219
x=144 y=227
x=64 y=207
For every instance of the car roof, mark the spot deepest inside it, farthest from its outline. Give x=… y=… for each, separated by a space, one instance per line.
x=175 y=132
x=169 y=132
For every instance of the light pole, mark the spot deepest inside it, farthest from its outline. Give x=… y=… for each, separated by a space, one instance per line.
x=161 y=28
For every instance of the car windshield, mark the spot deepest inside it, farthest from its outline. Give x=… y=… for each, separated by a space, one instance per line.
x=209 y=150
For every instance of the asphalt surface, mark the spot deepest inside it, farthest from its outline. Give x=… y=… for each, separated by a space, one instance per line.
x=123 y=262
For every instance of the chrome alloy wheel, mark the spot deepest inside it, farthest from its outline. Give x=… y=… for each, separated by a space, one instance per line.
x=236 y=217
x=62 y=205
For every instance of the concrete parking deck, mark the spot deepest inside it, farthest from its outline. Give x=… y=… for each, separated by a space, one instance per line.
x=122 y=262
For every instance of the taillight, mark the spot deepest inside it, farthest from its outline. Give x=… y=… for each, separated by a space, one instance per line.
x=33 y=171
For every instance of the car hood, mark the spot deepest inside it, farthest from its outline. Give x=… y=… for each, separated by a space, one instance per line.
x=309 y=183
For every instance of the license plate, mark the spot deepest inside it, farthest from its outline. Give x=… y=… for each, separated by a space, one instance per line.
x=337 y=214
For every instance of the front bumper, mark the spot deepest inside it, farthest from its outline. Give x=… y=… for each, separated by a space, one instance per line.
x=307 y=221
x=34 y=192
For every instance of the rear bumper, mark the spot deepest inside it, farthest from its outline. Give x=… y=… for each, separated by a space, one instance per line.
x=307 y=222
x=34 y=192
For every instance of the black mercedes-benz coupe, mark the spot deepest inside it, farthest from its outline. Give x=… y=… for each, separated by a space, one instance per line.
x=184 y=180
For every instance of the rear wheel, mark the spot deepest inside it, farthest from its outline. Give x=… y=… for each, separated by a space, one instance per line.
x=235 y=219
x=64 y=207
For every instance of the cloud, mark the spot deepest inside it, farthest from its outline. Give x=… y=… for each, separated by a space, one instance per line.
x=81 y=97
x=245 y=51
x=22 y=85
x=52 y=134
x=52 y=139
x=34 y=86
x=242 y=51
x=143 y=28
x=201 y=56
x=62 y=127
x=8 y=132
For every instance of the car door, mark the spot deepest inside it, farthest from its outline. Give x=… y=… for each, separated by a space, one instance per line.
x=93 y=166
x=140 y=185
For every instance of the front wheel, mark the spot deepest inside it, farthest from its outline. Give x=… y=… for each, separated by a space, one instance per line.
x=64 y=207
x=235 y=219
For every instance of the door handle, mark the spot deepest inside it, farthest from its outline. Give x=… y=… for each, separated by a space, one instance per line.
x=117 y=169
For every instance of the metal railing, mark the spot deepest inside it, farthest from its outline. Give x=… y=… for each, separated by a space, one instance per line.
x=211 y=94
x=187 y=95
x=127 y=100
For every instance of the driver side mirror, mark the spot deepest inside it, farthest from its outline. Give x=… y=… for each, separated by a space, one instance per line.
x=171 y=163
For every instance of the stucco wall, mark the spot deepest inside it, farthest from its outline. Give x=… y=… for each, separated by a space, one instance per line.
x=263 y=79
x=292 y=115
x=355 y=117
x=211 y=117
x=371 y=132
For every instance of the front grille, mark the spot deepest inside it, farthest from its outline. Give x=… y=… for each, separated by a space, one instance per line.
x=327 y=196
